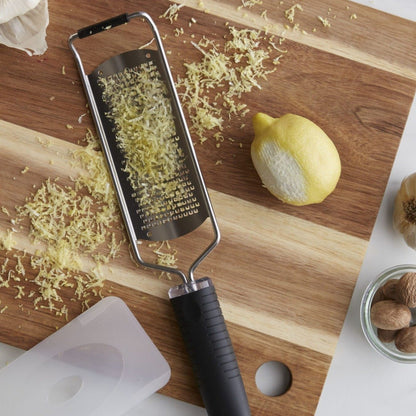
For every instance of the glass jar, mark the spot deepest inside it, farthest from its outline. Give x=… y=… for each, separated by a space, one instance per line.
x=370 y=331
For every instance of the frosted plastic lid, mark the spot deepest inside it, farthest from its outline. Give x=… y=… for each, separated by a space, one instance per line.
x=100 y=364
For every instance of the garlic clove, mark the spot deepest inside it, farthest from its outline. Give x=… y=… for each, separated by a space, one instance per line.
x=27 y=32
x=9 y=9
x=404 y=216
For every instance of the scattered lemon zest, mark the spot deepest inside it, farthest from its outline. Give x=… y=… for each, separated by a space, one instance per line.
x=43 y=141
x=68 y=222
x=5 y=211
x=230 y=71
x=179 y=31
x=290 y=13
x=20 y=292
x=325 y=22
x=172 y=12
x=6 y=241
x=249 y=3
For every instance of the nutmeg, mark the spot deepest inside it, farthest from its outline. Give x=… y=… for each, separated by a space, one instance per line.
x=390 y=289
x=406 y=289
x=406 y=340
x=389 y=314
x=386 y=335
x=378 y=296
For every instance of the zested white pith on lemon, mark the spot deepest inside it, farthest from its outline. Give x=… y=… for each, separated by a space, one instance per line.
x=296 y=161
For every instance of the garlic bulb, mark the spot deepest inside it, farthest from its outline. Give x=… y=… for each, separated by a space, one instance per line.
x=12 y=8
x=23 y=25
x=404 y=216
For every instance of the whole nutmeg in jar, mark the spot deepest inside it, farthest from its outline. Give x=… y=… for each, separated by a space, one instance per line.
x=391 y=312
x=388 y=313
x=405 y=340
x=406 y=289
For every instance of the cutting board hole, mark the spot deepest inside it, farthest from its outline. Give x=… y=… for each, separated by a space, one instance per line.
x=65 y=389
x=273 y=378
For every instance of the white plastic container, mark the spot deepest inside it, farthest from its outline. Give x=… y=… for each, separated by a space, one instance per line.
x=100 y=364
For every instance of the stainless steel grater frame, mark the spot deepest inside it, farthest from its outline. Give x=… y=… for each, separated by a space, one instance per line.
x=195 y=301
x=113 y=155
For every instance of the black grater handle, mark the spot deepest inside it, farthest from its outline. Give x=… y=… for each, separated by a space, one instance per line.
x=104 y=25
x=208 y=343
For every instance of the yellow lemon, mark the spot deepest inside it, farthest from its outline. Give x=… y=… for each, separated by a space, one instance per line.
x=297 y=162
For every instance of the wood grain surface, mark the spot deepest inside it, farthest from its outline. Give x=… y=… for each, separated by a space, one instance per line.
x=284 y=274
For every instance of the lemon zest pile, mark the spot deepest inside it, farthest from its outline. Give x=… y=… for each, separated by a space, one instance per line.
x=69 y=223
x=226 y=73
x=141 y=111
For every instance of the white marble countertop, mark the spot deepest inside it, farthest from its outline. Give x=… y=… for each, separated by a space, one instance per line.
x=359 y=381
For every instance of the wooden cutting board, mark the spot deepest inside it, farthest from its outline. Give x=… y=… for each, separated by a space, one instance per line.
x=284 y=274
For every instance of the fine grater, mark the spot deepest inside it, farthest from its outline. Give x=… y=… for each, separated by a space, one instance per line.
x=164 y=218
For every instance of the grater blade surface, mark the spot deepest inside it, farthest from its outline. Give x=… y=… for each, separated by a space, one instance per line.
x=161 y=215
